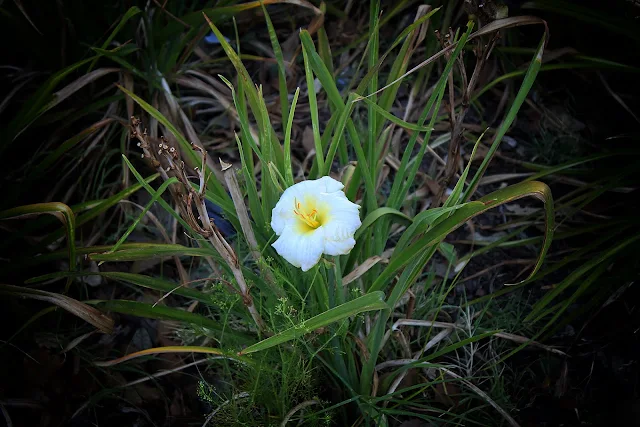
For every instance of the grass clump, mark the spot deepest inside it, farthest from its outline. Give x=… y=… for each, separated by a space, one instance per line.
x=193 y=143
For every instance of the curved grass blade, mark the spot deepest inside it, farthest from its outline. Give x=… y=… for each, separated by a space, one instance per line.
x=141 y=309
x=37 y=104
x=376 y=215
x=398 y=121
x=171 y=349
x=148 y=282
x=60 y=211
x=143 y=251
x=70 y=143
x=422 y=222
x=282 y=75
x=529 y=78
x=465 y=213
x=87 y=313
x=369 y=302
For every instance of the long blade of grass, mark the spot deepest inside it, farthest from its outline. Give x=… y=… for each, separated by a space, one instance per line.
x=387 y=115
x=374 y=216
x=172 y=349
x=369 y=302
x=156 y=195
x=133 y=11
x=150 y=250
x=422 y=222
x=536 y=189
x=329 y=85
x=529 y=78
x=282 y=74
x=89 y=314
x=148 y=282
x=250 y=88
x=160 y=312
x=313 y=107
x=288 y=175
x=32 y=109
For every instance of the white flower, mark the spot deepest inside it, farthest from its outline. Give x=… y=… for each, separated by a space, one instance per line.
x=314 y=217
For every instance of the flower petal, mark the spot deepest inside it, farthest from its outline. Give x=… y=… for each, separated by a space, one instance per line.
x=329 y=184
x=283 y=211
x=344 y=215
x=300 y=249
x=339 y=247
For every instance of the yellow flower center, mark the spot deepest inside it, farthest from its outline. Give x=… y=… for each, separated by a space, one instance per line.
x=309 y=217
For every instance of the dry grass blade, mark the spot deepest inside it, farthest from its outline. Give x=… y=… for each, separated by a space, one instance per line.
x=76 y=341
x=62 y=212
x=298 y=408
x=524 y=340
x=78 y=84
x=91 y=315
x=362 y=269
x=617 y=98
x=26 y=15
x=504 y=335
x=484 y=395
x=5 y=413
x=245 y=222
x=169 y=349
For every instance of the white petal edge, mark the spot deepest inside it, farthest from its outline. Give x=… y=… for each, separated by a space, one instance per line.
x=300 y=249
x=339 y=247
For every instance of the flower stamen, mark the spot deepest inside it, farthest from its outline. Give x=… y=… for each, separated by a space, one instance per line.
x=311 y=218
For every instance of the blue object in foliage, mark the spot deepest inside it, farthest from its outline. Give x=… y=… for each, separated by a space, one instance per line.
x=213 y=39
x=215 y=212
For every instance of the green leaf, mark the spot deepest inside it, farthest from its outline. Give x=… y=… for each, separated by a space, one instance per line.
x=288 y=175
x=329 y=85
x=155 y=196
x=133 y=11
x=38 y=103
x=313 y=106
x=69 y=144
x=422 y=222
x=149 y=250
x=465 y=213
x=252 y=93
x=369 y=302
x=376 y=215
x=387 y=115
x=141 y=309
x=529 y=78
x=148 y=282
x=282 y=75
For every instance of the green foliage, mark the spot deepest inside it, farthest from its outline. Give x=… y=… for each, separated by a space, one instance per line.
x=331 y=341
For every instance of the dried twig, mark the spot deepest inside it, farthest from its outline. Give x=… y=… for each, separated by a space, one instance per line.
x=167 y=161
